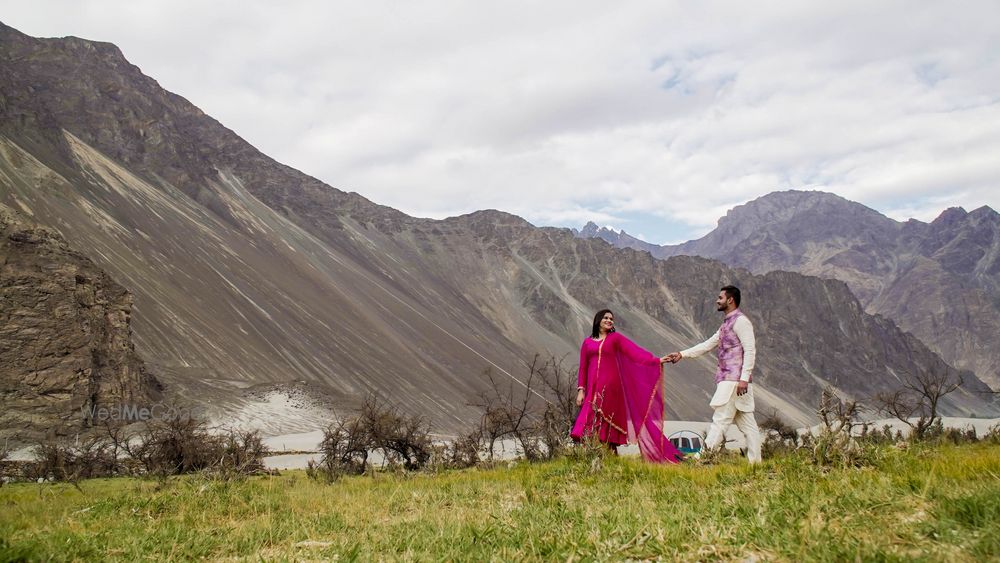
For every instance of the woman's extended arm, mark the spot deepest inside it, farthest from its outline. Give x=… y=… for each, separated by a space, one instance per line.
x=632 y=351
x=581 y=378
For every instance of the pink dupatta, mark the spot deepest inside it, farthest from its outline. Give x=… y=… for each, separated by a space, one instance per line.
x=642 y=382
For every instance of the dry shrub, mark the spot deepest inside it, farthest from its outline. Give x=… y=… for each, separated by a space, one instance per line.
x=173 y=446
x=509 y=413
x=780 y=436
x=559 y=388
x=965 y=435
x=885 y=435
x=344 y=447
x=590 y=452
x=62 y=461
x=993 y=434
x=836 y=444
x=186 y=444
x=401 y=438
x=243 y=453
x=461 y=453
x=378 y=426
x=159 y=447
x=536 y=414
x=720 y=455
x=919 y=398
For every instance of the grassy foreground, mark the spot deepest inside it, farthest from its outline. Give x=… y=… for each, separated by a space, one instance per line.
x=926 y=503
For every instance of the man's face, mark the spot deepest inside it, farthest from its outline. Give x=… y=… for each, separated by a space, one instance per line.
x=722 y=302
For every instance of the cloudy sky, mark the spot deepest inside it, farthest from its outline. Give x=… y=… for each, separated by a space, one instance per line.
x=655 y=117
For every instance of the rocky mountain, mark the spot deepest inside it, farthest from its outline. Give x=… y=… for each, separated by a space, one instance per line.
x=65 y=339
x=247 y=273
x=938 y=280
x=619 y=239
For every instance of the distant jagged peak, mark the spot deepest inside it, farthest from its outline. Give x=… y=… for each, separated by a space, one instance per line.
x=954 y=216
x=781 y=206
x=616 y=237
x=984 y=212
x=488 y=217
x=950 y=215
x=590 y=230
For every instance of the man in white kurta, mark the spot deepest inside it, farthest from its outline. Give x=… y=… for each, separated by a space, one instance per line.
x=733 y=399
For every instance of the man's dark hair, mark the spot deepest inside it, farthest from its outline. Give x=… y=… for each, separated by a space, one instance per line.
x=734 y=292
x=597 y=322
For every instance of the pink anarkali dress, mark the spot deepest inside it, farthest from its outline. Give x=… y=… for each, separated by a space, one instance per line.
x=623 y=397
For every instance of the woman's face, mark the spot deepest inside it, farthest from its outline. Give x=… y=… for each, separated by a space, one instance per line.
x=608 y=322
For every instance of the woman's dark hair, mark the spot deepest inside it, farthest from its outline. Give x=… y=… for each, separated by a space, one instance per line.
x=597 y=322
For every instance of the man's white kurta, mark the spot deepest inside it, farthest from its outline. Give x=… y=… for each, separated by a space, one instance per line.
x=725 y=390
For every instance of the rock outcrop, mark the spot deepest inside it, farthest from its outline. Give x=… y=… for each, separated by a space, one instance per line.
x=65 y=337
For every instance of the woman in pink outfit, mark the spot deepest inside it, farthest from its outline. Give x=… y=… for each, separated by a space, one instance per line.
x=620 y=391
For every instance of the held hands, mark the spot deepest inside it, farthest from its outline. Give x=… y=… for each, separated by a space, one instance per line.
x=671 y=358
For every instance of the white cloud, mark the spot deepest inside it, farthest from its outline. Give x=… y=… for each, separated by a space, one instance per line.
x=565 y=112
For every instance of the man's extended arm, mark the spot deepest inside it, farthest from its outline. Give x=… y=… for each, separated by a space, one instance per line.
x=706 y=346
x=694 y=351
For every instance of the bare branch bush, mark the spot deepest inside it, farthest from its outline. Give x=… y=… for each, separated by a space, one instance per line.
x=173 y=446
x=345 y=449
x=117 y=433
x=560 y=412
x=159 y=448
x=536 y=414
x=836 y=444
x=378 y=426
x=460 y=453
x=62 y=461
x=242 y=453
x=993 y=434
x=838 y=416
x=185 y=444
x=509 y=414
x=401 y=438
x=965 y=435
x=919 y=398
x=885 y=435
x=719 y=455
x=779 y=436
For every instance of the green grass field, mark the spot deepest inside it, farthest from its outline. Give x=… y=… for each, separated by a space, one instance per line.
x=939 y=503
